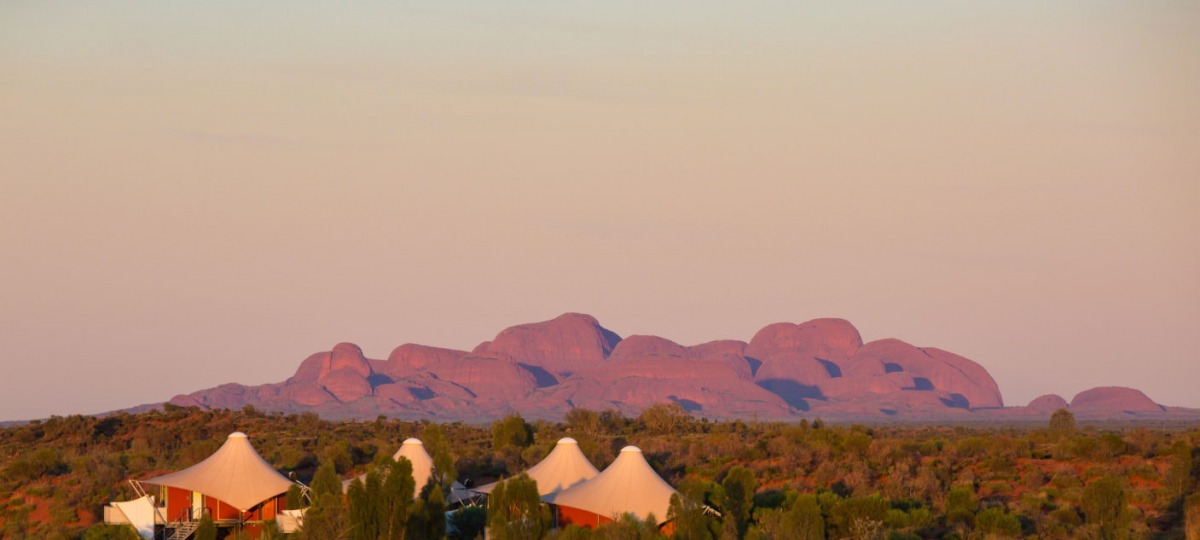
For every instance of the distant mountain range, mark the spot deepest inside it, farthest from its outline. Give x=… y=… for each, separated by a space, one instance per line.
x=820 y=368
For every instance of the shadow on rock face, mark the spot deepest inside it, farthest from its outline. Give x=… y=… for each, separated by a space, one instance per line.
x=792 y=392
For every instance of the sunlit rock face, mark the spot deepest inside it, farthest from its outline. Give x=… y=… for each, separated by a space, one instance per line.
x=1048 y=403
x=543 y=369
x=562 y=346
x=1113 y=399
x=824 y=362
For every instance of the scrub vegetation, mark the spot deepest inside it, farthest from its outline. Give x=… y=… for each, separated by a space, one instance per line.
x=806 y=480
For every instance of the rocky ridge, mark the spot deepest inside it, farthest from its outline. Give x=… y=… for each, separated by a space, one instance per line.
x=817 y=368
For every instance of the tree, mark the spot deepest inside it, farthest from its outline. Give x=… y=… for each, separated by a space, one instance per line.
x=325 y=519
x=688 y=512
x=428 y=518
x=995 y=522
x=104 y=531
x=362 y=514
x=207 y=530
x=960 y=507
x=805 y=516
x=1179 y=477
x=581 y=420
x=1191 y=517
x=270 y=531
x=434 y=439
x=515 y=510
x=864 y=528
x=612 y=421
x=395 y=504
x=663 y=418
x=435 y=508
x=628 y=527
x=1104 y=503
x=295 y=497
x=858 y=517
x=511 y=431
x=799 y=519
x=326 y=482
x=737 y=497
x=381 y=507
x=338 y=454
x=1062 y=424
x=468 y=522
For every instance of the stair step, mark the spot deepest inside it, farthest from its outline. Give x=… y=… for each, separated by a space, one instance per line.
x=184 y=530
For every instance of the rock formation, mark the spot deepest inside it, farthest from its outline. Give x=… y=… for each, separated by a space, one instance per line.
x=560 y=346
x=1048 y=403
x=1113 y=399
x=817 y=368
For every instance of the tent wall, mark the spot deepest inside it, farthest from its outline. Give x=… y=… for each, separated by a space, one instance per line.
x=574 y=516
x=220 y=511
x=269 y=509
x=180 y=499
x=582 y=518
x=177 y=501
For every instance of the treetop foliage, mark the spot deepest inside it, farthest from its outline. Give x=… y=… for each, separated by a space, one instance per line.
x=804 y=480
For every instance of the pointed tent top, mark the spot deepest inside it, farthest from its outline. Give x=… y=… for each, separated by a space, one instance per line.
x=422 y=464
x=235 y=474
x=564 y=467
x=628 y=485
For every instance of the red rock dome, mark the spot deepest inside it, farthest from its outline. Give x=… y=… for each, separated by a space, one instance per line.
x=562 y=346
x=1048 y=403
x=1113 y=399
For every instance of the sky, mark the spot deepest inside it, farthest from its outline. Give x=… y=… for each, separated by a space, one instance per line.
x=195 y=193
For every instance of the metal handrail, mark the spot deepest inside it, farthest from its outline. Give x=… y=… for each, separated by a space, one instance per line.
x=137 y=488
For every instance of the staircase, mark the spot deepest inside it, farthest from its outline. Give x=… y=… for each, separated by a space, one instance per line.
x=184 y=530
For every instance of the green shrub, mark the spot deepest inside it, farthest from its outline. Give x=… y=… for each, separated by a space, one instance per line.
x=104 y=531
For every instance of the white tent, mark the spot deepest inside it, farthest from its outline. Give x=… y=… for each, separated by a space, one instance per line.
x=628 y=485
x=422 y=464
x=140 y=513
x=289 y=521
x=234 y=474
x=566 y=466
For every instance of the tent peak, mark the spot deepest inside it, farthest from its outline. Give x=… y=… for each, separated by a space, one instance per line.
x=235 y=474
x=567 y=440
x=628 y=484
x=413 y=440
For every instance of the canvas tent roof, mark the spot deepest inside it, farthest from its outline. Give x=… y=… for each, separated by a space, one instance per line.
x=235 y=474
x=628 y=485
x=422 y=464
x=459 y=494
x=564 y=467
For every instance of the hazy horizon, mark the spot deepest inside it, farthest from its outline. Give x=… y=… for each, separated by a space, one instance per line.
x=196 y=194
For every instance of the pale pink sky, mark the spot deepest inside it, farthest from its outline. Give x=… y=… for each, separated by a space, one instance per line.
x=206 y=193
